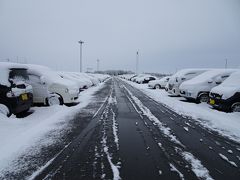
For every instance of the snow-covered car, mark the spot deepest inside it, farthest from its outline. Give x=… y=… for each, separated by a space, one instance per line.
x=226 y=96
x=87 y=81
x=130 y=78
x=198 y=88
x=145 y=79
x=81 y=82
x=101 y=77
x=160 y=83
x=49 y=88
x=134 y=79
x=16 y=96
x=93 y=78
x=179 y=77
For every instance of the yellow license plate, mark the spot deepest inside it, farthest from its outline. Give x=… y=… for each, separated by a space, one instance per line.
x=212 y=101
x=24 y=97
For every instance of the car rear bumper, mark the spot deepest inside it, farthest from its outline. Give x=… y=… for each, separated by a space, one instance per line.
x=20 y=105
x=220 y=104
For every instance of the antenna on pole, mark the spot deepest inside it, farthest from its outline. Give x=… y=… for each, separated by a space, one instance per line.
x=137 y=62
x=226 y=63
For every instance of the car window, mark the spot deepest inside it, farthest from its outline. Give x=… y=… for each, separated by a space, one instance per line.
x=34 y=78
x=16 y=74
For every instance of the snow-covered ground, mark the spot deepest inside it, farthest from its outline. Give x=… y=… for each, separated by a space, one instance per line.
x=227 y=124
x=17 y=135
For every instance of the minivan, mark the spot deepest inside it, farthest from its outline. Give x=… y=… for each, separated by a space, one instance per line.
x=198 y=88
x=49 y=88
x=15 y=94
x=226 y=96
x=178 y=78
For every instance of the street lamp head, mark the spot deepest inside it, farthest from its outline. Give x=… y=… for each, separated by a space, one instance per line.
x=80 y=42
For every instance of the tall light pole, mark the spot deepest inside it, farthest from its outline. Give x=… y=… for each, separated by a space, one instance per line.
x=80 y=42
x=137 y=62
x=226 y=63
x=98 y=61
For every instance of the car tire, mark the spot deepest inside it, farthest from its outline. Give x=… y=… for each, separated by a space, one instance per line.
x=203 y=98
x=157 y=86
x=235 y=107
x=54 y=99
x=5 y=110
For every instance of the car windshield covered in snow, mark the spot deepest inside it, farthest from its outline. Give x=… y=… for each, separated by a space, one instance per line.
x=233 y=80
x=16 y=75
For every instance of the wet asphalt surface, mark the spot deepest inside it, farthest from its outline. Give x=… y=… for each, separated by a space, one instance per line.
x=125 y=134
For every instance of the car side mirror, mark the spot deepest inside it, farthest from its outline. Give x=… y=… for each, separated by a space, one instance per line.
x=43 y=80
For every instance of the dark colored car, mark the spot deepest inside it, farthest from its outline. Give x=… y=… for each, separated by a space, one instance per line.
x=226 y=96
x=231 y=104
x=15 y=95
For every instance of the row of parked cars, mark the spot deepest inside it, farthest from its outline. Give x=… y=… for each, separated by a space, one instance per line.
x=22 y=85
x=218 y=87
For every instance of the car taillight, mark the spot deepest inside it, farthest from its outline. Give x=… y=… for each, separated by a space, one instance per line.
x=10 y=94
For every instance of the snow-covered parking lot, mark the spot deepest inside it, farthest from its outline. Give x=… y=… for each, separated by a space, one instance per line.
x=227 y=124
x=18 y=135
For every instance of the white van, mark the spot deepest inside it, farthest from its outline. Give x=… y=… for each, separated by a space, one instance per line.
x=160 y=83
x=178 y=78
x=198 y=88
x=49 y=88
x=226 y=96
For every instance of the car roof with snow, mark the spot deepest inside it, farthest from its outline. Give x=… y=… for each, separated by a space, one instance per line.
x=8 y=65
x=50 y=75
x=209 y=75
x=187 y=71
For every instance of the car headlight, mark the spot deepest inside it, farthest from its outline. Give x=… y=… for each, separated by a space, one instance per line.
x=66 y=90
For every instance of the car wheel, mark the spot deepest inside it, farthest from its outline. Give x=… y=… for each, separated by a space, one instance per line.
x=236 y=107
x=157 y=86
x=54 y=100
x=203 y=98
x=5 y=110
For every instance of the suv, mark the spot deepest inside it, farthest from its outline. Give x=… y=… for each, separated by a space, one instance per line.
x=226 y=96
x=15 y=94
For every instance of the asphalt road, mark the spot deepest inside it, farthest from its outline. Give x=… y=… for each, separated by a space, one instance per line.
x=127 y=135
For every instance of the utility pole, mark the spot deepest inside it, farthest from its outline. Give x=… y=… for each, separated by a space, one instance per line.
x=226 y=63
x=137 y=62
x=80 y=42
x=98 y=63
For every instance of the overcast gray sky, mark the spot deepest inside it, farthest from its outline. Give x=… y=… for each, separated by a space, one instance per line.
x=169 y=34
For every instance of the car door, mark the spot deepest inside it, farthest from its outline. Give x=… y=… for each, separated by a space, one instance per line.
x=40 y=91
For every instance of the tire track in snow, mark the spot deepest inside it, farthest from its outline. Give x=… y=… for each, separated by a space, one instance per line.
x=199 y=170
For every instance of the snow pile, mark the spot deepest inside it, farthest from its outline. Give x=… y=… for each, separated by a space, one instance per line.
x=227 y=124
